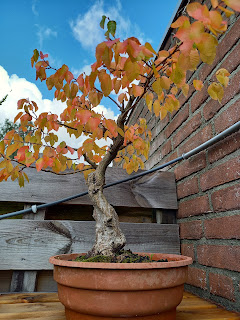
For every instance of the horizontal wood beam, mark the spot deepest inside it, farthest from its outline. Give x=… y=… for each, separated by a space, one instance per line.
x=28 y=244
x=156 y=190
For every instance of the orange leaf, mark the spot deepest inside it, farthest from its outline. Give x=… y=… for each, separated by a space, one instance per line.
x=180 y=21
x=111 y=126
x=234 y=4
x=137 y=90
x=106 y=83
x=198 y=84
x=21 y=154
x=39 y=164
x=93 y=123
x=214 y=3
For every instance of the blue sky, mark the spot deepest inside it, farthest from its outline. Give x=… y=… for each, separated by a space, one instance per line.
x=69 y=32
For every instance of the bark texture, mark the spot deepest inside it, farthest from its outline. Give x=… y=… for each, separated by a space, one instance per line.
x=109 y=237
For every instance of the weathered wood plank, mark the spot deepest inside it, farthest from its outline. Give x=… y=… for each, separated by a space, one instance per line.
x=156 y=190
x=46 y=306
x=26 y=281
x=27 y=244
x=28 y=297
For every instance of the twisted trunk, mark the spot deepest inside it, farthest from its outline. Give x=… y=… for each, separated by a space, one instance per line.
x=109 y=237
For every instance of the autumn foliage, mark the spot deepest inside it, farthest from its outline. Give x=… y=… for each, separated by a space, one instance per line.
x=124 y=69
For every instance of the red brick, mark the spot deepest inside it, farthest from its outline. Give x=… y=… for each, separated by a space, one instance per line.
x=219 y=256
x=199 y=98
x=185 y=131
x=193 y=207
x=197 y=278
x=223 y=48
x=213 y=228
x=211 y=108
x=233 y=60
x=187 y=249
x=159 y=126
x=166 y=148
x=156 y=143
x=221 y=174
x=181 y=116
x=195 y=141
x=221 y=285
x=191 y=230
x=187 y=188
x=229 y=116
x=190 y=165
x=226 y=199
x=182 y=99
x=224 y=147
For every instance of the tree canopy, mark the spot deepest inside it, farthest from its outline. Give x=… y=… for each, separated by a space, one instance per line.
x=125 y=69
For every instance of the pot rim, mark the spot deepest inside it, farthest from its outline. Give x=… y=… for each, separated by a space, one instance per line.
x=175 y=262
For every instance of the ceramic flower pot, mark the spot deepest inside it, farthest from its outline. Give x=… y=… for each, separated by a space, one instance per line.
x=111 y=291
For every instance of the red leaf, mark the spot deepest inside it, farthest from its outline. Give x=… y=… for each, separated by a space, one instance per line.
x=71 y=150
x=83 y=116
x=93 y=123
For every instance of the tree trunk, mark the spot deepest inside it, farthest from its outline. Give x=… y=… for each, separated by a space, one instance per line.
x=109 y=237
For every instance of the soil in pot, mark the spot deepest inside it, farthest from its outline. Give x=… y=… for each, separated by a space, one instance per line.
x=122 y=256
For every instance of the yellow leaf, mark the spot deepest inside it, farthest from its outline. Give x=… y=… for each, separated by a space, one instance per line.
x=198 y=84
x=185 y=89
x=194 y=59
x=2 y=147
x=165 y=82
x=163 y=112
x=120 y=131
x=11 y=149
x=156 y=107
x=222 y=76
x=157 y=86
x=228 y=12
x=215 y=91
x=149 y=100
x=149 y=47
x=69 y=163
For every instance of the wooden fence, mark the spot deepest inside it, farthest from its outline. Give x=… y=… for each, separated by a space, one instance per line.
x=27 y=243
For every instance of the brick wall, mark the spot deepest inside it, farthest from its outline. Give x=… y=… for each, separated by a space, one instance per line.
x=208 y=183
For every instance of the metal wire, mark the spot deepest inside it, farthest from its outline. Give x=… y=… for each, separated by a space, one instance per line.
x=194 y=151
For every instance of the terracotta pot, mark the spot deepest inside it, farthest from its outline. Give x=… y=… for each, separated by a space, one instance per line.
x=111 y=291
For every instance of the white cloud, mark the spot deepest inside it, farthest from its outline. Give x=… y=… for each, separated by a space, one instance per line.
x=18 y=88
x=44 y=33
x=85 y=69
x=34 y=9
x=86 y=27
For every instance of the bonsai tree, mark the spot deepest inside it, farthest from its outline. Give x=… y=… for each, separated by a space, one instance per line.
x=132 y=72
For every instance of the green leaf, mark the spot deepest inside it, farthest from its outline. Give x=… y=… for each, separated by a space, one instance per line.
x=111 y=26
x=35 y=55
x=103 y=22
